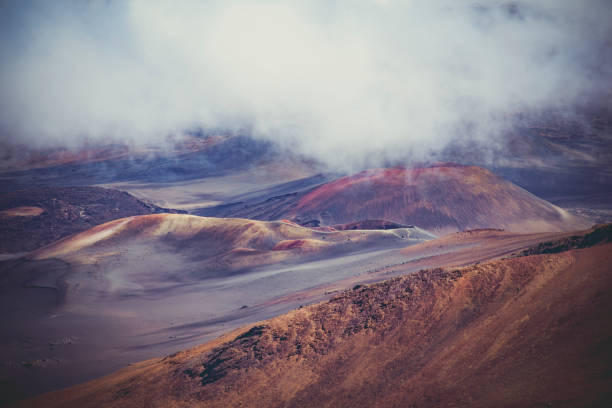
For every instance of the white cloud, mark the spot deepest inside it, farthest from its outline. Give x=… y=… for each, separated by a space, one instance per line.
x=347 y=82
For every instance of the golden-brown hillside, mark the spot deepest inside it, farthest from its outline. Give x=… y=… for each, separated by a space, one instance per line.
x=524 y=331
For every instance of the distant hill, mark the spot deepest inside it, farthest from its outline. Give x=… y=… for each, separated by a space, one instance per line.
x=444 y=197
x=192 y=158
x=441 y=198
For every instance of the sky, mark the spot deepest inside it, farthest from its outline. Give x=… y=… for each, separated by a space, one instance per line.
x=350 y=83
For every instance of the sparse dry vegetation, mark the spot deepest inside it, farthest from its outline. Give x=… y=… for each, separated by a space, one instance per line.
x=502 y=333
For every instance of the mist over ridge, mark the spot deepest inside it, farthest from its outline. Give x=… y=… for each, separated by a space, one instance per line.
x=354 y=86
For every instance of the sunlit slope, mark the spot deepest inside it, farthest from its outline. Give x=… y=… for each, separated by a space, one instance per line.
x=229 y=242
x=504 y=333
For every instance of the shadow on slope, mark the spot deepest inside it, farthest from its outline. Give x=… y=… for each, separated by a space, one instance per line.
x=32 y=218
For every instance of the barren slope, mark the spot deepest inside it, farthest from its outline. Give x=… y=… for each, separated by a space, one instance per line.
x=443 y=197
x=526 y=331
x=232 y=241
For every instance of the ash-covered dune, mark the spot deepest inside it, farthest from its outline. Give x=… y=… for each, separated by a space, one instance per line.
x=145 y=255
x=441 y=198
x=227 y=244
x=32 y=218
x=526 y=331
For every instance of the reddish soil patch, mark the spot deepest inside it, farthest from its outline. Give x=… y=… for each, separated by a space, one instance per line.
x=22 y=212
